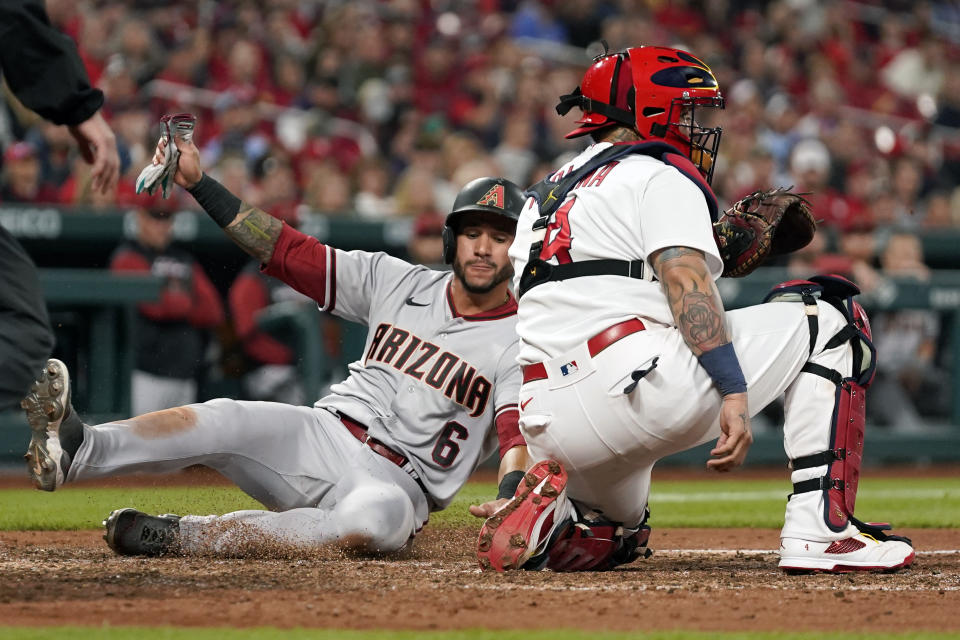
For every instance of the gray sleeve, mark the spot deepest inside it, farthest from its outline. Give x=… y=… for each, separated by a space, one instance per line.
x=364 y=278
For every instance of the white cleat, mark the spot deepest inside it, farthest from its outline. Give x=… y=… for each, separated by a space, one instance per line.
x=47 y=404
x=860 y=552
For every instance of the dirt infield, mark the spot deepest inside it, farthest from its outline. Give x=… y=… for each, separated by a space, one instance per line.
x=701 y=579
x=54 y=578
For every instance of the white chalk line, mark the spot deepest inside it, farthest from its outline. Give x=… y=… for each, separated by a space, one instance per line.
x=721 y=552
x=776 y=494
x=432 y=564
x=806 y=586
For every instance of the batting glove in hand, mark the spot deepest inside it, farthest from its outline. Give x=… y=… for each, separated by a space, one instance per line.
x=160 y=172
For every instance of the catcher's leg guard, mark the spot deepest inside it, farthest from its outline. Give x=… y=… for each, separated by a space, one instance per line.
x=590 y=542
x=826 y=480
x=843 y=458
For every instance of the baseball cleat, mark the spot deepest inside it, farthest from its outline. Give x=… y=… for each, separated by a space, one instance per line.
x=133 y=533
x=589 y=542
x=46 y=406
x=861 y=552
x=522 y=527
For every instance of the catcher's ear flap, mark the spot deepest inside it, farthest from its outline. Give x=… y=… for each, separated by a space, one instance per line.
x=449 y=245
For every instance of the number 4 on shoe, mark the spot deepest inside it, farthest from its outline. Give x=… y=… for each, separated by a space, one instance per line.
x=868 y=550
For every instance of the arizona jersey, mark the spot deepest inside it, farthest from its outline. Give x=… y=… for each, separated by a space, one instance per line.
x=431 y=382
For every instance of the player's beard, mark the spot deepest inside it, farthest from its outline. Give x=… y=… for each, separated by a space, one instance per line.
x=459 y=270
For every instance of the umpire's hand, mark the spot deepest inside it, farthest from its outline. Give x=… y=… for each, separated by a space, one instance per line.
x=98 y=146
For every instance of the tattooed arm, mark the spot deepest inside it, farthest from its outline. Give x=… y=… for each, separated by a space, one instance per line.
x=698 y=311
x=693 y=297
x=253 y=230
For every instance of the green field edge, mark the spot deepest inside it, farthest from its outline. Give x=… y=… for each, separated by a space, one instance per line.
x=919 y=503
x=269 y=633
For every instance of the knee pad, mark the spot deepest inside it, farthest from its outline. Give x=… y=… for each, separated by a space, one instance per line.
x=839 y=293
x=844 y=457
x=376 y=518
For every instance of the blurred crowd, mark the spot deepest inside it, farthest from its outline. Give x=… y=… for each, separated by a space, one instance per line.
x=383 y=109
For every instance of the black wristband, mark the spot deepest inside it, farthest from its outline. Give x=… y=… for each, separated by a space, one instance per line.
x=509 y=484
x=216 y=200
x=724 y=367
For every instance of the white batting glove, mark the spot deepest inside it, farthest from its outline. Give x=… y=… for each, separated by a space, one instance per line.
x=151 y=175
x=180 y=125
x=160 y=172
x=166 y=180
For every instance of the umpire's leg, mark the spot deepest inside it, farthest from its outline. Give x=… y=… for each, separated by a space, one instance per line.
x=25 y=336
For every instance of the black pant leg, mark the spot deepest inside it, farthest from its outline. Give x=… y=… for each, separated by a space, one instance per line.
x=26 y=339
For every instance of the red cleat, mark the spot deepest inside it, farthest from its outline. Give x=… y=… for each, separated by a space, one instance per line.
x=522 y=527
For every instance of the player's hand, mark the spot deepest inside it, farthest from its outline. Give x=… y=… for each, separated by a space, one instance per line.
x=189 y=171
x=487 y=509
x=98 y=146
x=735 y=441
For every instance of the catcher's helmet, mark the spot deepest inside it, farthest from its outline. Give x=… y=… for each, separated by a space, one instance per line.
x=494 y=195
x=653 y=90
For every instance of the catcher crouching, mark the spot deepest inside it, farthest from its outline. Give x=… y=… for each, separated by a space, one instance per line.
x=628 y=355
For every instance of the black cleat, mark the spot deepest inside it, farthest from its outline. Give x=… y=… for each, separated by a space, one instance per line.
x=133 y=533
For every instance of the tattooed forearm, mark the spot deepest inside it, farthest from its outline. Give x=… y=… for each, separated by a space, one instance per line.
x=255 y=232
x=700 y=322
x=693 y=297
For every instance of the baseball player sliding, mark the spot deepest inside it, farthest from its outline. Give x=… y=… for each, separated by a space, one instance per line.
x=628 y=356
x=433 y=394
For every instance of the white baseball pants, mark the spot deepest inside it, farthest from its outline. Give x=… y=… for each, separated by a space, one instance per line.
x=609 y=440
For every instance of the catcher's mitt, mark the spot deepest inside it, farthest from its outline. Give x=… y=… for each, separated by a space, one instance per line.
x=763 y=224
